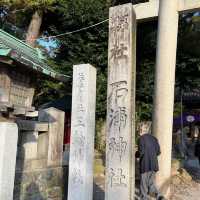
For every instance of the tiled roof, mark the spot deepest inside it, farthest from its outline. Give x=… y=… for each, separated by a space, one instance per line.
x=30 y=57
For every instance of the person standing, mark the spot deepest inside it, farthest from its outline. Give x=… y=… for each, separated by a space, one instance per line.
x=148 y=151
x=197 y=149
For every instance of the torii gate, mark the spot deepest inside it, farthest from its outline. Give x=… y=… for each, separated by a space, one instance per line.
x=120 y=178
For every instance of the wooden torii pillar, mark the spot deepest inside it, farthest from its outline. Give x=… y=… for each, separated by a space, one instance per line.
x=120 y=176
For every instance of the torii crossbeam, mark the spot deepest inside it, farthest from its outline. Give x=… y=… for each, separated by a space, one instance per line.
x=149 y=10
x=120 y=178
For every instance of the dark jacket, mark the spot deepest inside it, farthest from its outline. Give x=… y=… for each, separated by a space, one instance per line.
x=149 y=149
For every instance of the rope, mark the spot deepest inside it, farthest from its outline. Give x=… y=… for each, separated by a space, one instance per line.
x=71 y=32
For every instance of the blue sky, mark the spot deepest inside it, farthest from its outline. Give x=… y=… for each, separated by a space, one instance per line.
x=48 y=44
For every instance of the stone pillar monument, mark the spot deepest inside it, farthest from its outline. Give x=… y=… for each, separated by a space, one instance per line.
x=164 y=86
x=56 y=119
x=8 y=152
x=82 y=133
x=121 y=104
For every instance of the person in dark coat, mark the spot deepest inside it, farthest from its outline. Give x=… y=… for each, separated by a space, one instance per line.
x=197 y=149
x=148 y=151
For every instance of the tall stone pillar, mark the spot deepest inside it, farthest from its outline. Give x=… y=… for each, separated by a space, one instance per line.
x=164 y=86
x=121 y=104
x=82 y=133
x=8 y=152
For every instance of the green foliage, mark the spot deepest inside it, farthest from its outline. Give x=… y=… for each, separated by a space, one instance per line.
x=88 y=46
x=188 y=68
x=145 y=81
x=47 y=90
x=188 y=54
x=91 y=45
x=101 y=94
x=29 y=4
x=177 y=109
x=143 y=111
x=100 y=136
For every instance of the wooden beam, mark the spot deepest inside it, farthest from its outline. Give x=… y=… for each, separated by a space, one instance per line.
x=188 y=5
x=149 y=10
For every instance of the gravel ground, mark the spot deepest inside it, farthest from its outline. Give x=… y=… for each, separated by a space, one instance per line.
x=186 y=191
x=183 y=191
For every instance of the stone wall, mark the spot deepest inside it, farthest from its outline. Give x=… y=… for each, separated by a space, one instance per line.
x=36 y=176
x=39 y=184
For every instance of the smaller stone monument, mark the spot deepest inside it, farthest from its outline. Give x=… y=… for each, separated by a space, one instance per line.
x=8 y=151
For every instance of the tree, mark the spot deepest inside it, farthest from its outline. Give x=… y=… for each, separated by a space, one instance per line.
x=34 y=7
x=90 y=46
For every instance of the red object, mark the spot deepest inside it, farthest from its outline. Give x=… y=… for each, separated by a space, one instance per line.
x=67 y=128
